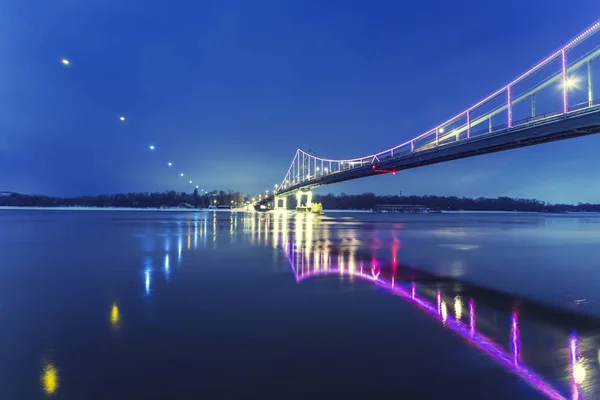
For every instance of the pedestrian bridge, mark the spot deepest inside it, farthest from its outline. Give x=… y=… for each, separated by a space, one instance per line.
x=554 y=100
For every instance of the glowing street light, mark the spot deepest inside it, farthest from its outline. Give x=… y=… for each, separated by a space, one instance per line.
x=326 y=170
x=151 y=147
x=182 y=174
x=169 y=164
x=122 y=118
x=571 y=82
x=441 y=130
x=190 y=181
x=64 y=61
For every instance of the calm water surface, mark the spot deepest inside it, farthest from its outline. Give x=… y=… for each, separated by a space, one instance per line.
x=169 y=305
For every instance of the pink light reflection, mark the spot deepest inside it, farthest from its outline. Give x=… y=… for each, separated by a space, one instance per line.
x=515 y=339
x=472 y=316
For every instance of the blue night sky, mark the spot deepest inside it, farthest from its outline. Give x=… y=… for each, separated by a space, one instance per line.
x=227 y=90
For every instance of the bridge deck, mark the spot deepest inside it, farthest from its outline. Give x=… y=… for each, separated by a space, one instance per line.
x=565 y=126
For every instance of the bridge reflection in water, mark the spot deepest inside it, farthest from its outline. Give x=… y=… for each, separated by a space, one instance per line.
x=554 y=351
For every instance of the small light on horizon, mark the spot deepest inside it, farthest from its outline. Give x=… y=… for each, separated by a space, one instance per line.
x=122 y=118
x=65 y=61
x=190 y=181
x=151 y=147
x=196 y=186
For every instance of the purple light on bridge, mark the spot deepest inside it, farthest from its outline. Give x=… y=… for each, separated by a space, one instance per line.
x=564 y=81
x=509 y=106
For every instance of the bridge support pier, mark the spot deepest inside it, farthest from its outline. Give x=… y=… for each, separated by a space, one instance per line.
x=303 y=205
x=280 y=200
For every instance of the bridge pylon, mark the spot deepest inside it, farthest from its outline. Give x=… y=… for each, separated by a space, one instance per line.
x=300 y=205
x=280 y=203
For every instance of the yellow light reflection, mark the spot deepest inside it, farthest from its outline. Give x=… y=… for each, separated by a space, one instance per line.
x=458 y=308
x=352 y=261
x=50 y=379
x=115 y=316
x=189 y=237
x=579 y=372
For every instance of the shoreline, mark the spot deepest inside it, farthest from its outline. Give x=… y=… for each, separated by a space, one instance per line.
x=333 y=211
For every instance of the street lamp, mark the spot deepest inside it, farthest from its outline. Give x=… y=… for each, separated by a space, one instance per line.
x=64 y=61
x=571 y=82
x=169 y=164
x=151 y=147
x=122 y=118
x=182 y=174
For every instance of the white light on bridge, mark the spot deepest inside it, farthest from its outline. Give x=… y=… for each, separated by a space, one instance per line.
x=571 y=82
x=326 y=170
x=441 y=130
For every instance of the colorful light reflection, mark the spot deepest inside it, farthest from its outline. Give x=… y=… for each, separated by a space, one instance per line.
x=467 y=332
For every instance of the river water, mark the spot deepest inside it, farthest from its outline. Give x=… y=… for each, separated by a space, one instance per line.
x=219 y=305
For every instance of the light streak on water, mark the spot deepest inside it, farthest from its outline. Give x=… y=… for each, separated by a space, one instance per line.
x=147 y=281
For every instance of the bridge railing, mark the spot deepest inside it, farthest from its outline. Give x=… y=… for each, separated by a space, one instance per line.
x=535 y=97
